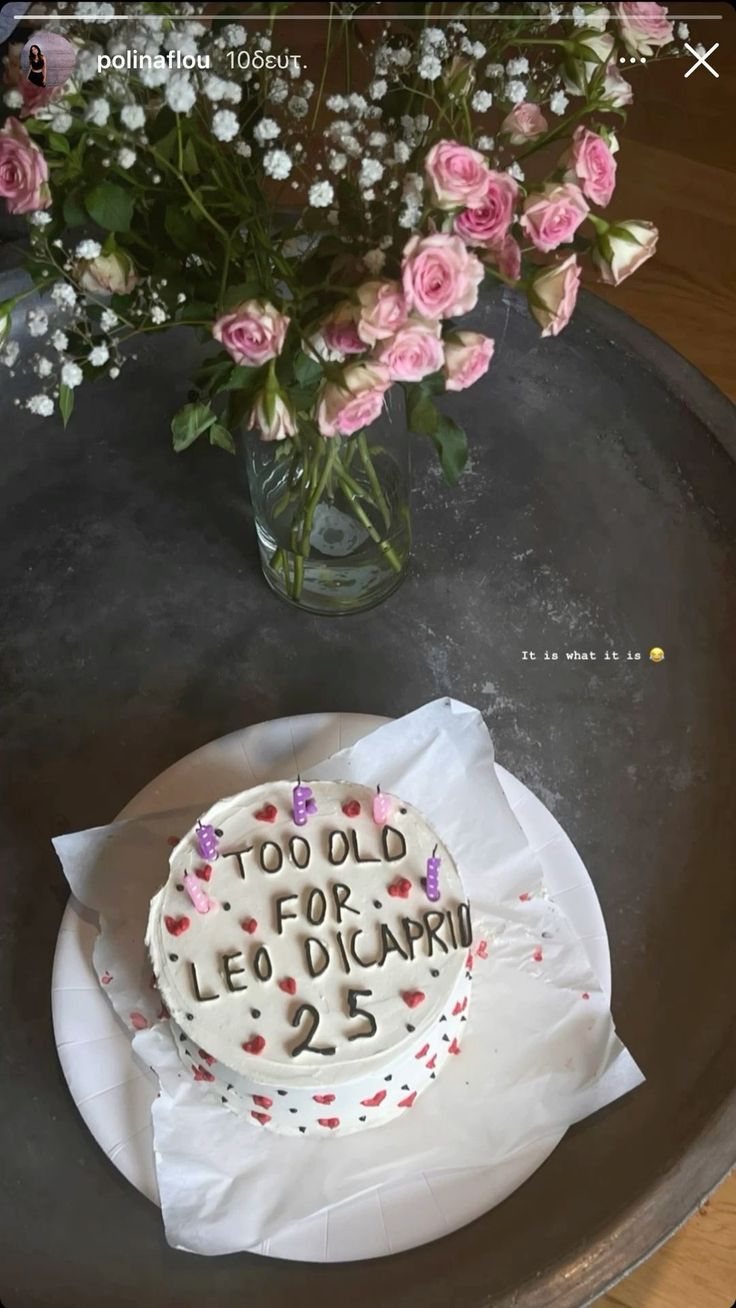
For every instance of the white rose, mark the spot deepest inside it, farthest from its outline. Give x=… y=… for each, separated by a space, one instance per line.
x=623 y=248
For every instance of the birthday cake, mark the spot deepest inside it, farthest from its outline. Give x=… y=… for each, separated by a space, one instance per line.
x=312 y=948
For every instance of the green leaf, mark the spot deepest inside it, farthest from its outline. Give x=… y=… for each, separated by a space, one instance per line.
x=243 y=379
x=181 y=227
x=240 y=292
x=59 y=143
x=74 y=214
x=196 y=311
x=306 y=369
x=66 y=403
x=110 y=206
x=449 y=440
x=189 y=423
x=190 y=163
x=221 y=437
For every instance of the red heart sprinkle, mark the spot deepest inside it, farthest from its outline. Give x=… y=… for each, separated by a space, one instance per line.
x=586 y=995
x=249 y=924
x=260 y=1117
x=139 y=1021
x=263 y=1101
x=201 y=1074
x=377 y=1099
x=422 y=1052
x=454 y=1048
x=268 y=813
x=407 y=1103
x=204 y=873
x=351 y=808
x=172 y=840
x=413 y=997
x=469 y=961
x=255 y=1045
x=206 y=1058
x=106 y=978
x=537 y=955
x=430 y=1066
x=323 y=1099
x=288 y=985
x=482 y=950
x=177 y=925
x=460 y=1007
x=525 y=897
x=331 y=1122
x=400 y=888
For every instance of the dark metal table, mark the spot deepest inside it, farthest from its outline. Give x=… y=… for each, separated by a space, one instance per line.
x=598 y=516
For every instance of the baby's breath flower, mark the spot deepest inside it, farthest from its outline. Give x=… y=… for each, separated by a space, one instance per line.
x=235 y=35
x=336 y=161
x=215 y=88
x=278 y=90
x=481 y=101
x=13 y=98
x=516 y=171
x=401 y=152
x=41 y=405
x=225 y=125
x=98 y=112
x=243 y=149
x=41 y=218
x=402 y=56
x=132 y=117
x=683 y=31
x=9 y=355
x=108 y=320
x=433 y=37
x=429 y=68
x=495 y=71
x=64 y=295
x=99 y=356
x=378 y=89
x=358 y=104
x=277 y=164
x=71 y=375
x=153 y=76
x=266 y=130
x=61 y=120
x=517 y=67
x=37 y=321
x=516 y=91
x=377 y=140
x=88 y=250
x=374 y=261
x=485 y=142
x=337 y=103
x=370 y=171
x=321 y=194
x=180 y=93
x=126 y=158
x=158 y=314
x=558 y=102
x=60 y=341
x=44 y=366
x=114 y=373
x=298 y=106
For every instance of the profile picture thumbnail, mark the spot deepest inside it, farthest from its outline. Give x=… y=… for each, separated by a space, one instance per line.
x=47 y=60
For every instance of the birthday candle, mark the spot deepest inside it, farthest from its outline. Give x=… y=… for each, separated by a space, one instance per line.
x=432 y=881
x=198 y=896
x=207 y=842
x=303 y=805
x=381 y=808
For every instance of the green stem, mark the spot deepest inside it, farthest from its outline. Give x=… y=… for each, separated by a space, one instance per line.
x=372 y=476
x=383 y=545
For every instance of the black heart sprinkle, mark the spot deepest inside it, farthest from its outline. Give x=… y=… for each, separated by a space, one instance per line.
x=255 y=1012
x=469 y=976
x=388 y=1078
x=186 y=1051
x=190 y=1017
x=434 y=972
x=174 y=958
x=280 y=1092
x=409 y=1027
x=377 y=903
x=432 y=1076
x=302 y=1129
x=226 y=906
x=179 y=887
x=182 y=1036
x=361 y=1119
x=217 y=831
x=223 y=1099
x=463 y=1018
x=229 y=1087
x=444 y=1017
x=292 y=1110
x=402 y=810
x=445 y=1036
x=404 y=1087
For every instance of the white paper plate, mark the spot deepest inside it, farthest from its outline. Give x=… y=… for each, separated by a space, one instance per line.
x=114 y=1095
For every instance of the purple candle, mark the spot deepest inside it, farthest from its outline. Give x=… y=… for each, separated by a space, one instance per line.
x=302 y=803
x=432 y=881
x=206 y=842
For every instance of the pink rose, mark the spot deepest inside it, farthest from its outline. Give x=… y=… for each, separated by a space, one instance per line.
x=272 y=416
x=643 y=27
x=617 y=92
x=525 y=122
x=488 y=222
x=593 y=165
x=108 y=274
x=355 y=403
x=413 y=353
x=457 y=175
x=467 y=356
x=252 y=333
x=382 y=311
x=623 y=248
x=551 y=217
x=24 y=174
x=553 y=294
x=340 y=332
x=440 y=276
x=509 y=259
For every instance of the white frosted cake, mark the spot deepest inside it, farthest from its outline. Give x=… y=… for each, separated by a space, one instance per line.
x=312 y=947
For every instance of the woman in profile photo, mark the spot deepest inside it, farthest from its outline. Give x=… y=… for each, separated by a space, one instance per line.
x=36 y=67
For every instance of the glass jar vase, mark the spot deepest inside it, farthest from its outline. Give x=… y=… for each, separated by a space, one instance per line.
x=332 y=515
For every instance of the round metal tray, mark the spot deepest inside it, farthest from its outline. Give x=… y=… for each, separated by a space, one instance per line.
x=598 y=515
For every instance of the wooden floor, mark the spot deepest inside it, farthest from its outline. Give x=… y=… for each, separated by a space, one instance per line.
x=677 y=167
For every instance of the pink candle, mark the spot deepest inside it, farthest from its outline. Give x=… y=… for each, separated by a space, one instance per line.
x=381 y=808
x=432 y=880
x=198 y=896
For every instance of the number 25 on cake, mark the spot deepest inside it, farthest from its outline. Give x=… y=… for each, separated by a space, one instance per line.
x=312 y=947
